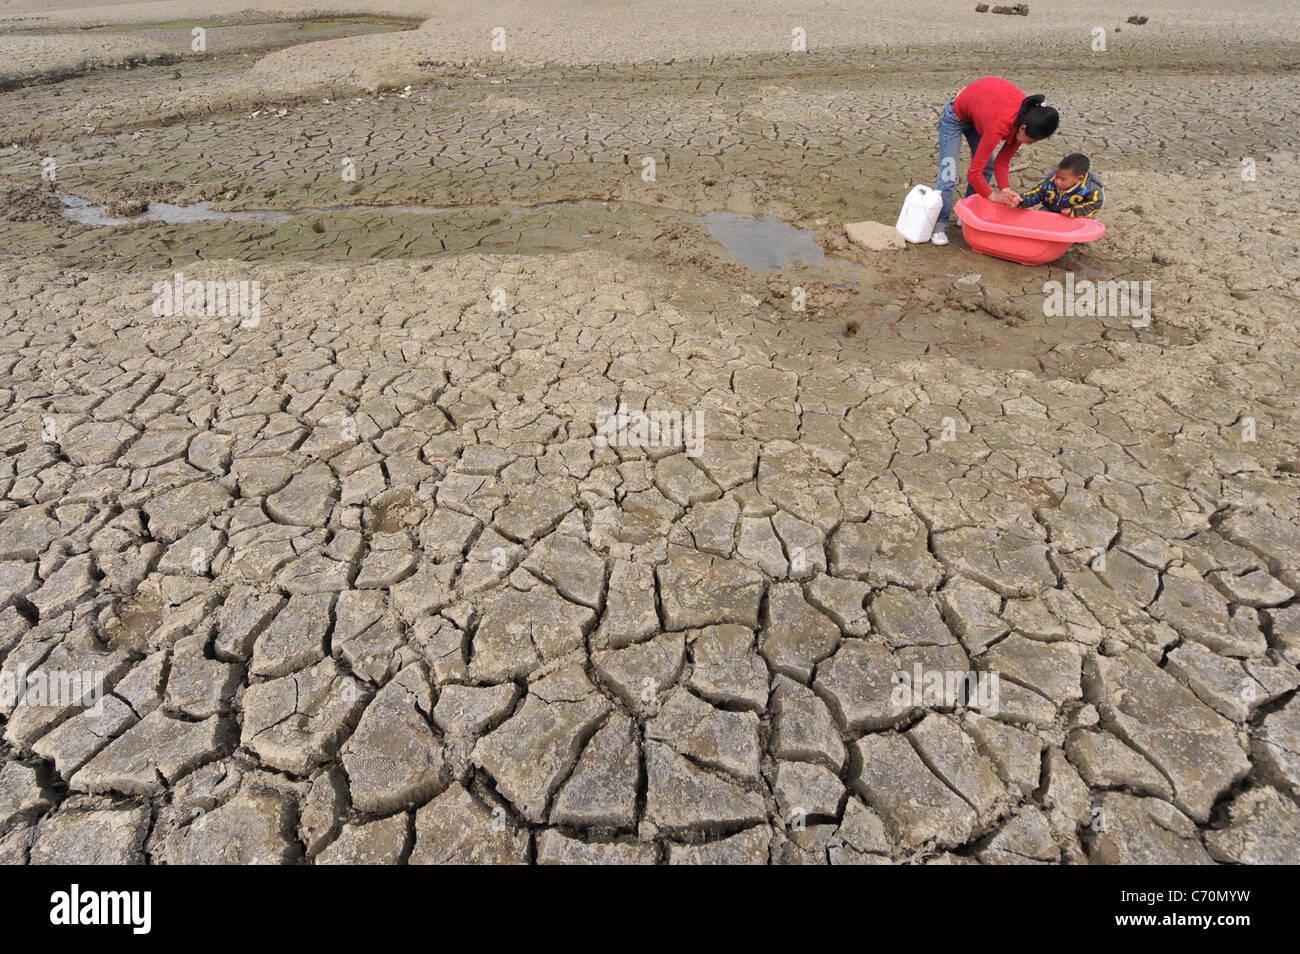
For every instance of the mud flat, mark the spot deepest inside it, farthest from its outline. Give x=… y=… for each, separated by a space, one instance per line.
x=410 y=432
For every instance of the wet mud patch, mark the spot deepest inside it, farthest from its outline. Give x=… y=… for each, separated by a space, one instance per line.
x=330 y=233
x=135 y=623
x=395 y=511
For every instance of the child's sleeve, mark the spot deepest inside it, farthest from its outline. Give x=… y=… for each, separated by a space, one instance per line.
x=1088 y=203
x=1035 y=195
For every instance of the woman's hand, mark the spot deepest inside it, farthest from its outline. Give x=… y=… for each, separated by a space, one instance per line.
x=1006 y=197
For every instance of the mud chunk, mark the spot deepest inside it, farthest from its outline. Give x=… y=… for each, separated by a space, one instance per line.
x=456 y=829
x=795 y=636
x=535 y=748
x=244 y=613
x=683 y=483
x=393 y=760
x=844 y=601
x=862 y=829
x=682 y=796
x=1050 y=669
x=254 y=827
x=954 y=757
x=639 y=674
x=531 y=513
x=176 y=512
x=555 y=848
x=727 y=670
x=698 y=590
x=1192 y=745
x=308 y=498
x=972 y=612
x=73 y=742
x=710 y=737
x=572 y=567
x=152 y=754
x=1016 y=755
x=1023 y=839
x=23 y=793
x=1010 y=563
x=296 y=638
x=1277 y=749
x=1105 y=762
x=1198 y=612
x=297 y=722
x=857 y=683
x=916 y=805
x=322 y=811
x=887 y=548
x=749 y=847
x=518 y=631
x=468 y=711
x=1142 y=831
x=382 y=842
x=1263 y=829
x=804 y=788
x=26 y=532
x=876 y=236
x=100 y=837
x=630 y=613
x=602 y=789
x=802 y=726
x=200 y=687
x=1230 y=686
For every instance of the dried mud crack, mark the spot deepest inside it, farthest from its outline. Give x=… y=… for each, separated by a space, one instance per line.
x=339 y=535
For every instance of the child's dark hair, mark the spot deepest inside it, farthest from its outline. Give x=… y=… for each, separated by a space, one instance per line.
x=1040 y=121
x=1077 y=163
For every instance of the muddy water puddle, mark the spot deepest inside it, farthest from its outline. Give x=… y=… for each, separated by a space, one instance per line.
x=97 y=214
x=764 y=243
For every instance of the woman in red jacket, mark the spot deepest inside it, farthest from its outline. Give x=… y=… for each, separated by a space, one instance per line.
x=987 y=112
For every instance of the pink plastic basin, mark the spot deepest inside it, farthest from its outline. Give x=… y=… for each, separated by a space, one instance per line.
x=1027 y=236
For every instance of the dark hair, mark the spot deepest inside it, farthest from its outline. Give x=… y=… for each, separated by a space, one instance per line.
x=1075 y=162
x=1039 y=121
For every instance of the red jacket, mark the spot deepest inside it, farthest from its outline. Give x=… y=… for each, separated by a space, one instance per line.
x=992 y=104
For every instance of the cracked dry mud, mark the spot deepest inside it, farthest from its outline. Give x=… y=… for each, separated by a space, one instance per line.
x=363 y=586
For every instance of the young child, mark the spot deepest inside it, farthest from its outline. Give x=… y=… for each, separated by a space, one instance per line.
x=1069 y=189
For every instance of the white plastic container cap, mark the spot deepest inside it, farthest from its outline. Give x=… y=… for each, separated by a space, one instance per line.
x=920 y=211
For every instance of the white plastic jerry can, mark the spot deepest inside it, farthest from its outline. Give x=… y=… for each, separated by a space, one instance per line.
x=920 y=211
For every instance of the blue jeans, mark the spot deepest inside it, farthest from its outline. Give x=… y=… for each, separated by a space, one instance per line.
x=951 y=130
